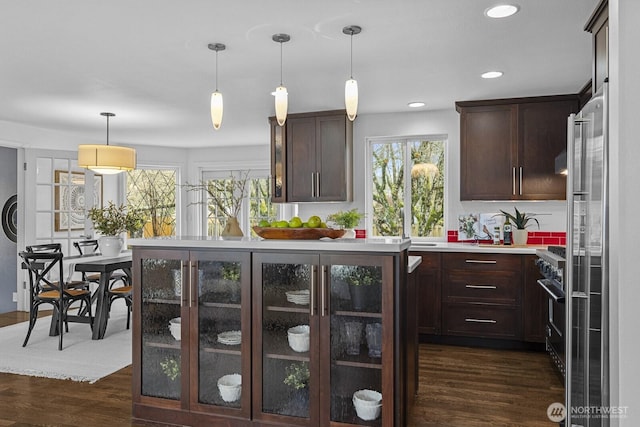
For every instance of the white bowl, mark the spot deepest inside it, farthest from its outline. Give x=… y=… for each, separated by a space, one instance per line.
x=367 y=397
x=299 y=338
x=175 y=327
x=230 y=387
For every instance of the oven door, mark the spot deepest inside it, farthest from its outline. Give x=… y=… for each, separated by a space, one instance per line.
x=555 y=323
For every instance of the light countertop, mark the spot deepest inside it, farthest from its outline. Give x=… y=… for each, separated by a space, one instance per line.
x=473 y=247
x=350 y=245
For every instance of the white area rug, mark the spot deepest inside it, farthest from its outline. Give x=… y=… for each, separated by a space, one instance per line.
x=81 y=358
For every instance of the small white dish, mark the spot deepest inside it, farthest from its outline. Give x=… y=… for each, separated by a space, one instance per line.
x=368 y=404
x=230 y=387
x=175 y=327
x=298 y=337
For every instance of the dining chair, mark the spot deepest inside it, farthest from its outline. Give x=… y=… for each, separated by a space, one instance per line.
x=42 y=290
x=57 y=248
x=87 y=247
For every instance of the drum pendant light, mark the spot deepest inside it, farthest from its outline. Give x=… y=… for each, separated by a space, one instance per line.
x=282 y=97
x=106 y=159
x=351 y=85
x=216 y=97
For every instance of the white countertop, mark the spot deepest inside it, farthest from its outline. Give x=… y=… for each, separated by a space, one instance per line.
x=351 y=245
x=473 y=247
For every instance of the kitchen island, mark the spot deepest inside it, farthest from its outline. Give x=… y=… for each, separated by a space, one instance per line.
x=280 y=332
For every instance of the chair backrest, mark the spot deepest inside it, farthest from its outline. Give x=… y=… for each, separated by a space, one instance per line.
x=40 y=265
x=45 y=248
x=86 y=247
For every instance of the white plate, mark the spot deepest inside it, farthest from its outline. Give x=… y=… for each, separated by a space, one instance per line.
x=230 y=337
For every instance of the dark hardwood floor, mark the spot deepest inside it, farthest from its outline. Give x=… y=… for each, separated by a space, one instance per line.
x=459 y=386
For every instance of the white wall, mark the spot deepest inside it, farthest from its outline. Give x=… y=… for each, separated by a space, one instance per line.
x=624 y=69
x=553 y=213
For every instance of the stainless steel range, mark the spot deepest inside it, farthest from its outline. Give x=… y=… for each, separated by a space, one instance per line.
x=551 y=262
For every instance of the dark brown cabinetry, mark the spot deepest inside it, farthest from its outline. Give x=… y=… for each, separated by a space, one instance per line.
x=481 y=295
x=508 y=147
x=428 y=293
x=234 y=311
x=598 y=26
x=534 y=307
x=311 y=157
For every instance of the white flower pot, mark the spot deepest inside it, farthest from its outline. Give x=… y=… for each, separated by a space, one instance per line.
x=110 y=245
x=520 y=237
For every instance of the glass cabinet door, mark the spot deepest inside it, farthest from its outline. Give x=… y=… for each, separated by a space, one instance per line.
x=359 y=301
x=162 y=276
x=223 y=319
x=286 y=342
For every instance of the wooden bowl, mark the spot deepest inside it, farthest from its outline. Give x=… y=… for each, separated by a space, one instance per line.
x=297 y=233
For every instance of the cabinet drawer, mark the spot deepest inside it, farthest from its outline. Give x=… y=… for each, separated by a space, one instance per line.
x=481 y=321
x=481 y=262
x=429 y=259
x=502 y=287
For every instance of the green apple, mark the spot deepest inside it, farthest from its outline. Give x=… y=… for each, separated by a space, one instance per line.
x=295 y=222
x=314 y=221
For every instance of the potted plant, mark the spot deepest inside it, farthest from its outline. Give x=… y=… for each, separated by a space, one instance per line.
x=520 y=221
x=111 y=222
x=363 y=283
x=346 y=220
x=226 y=196
x=297 y=377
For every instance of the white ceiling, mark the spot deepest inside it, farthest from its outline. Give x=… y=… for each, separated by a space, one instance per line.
x=65 y=61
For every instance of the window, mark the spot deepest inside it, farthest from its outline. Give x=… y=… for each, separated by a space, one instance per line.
x=153 y=191
x=255 y=202
x=390 y=188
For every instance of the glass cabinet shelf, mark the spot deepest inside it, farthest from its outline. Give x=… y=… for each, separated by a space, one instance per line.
x=221 y=305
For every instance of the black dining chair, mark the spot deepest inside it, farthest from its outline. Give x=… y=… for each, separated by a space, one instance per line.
x=55 y=248
x=42 y=290
x=88 y=247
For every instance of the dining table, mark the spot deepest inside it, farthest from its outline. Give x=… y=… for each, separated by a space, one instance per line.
x=105 y=266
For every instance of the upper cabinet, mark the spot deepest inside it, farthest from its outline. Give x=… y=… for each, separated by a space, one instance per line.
x=598 y=25
x=311 y=157
x=508 y=147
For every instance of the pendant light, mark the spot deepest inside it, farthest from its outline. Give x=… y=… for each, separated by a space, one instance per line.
x=282 y=97
x=106 y=159
x=351 y=85
x=216 y=97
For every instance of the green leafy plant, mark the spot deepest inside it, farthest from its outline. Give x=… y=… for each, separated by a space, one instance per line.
x=346 y=219
x=171 y=368
x=113 y=220
x=358 y=275
x=297 y=375
x=231 y=271
x=521 y=219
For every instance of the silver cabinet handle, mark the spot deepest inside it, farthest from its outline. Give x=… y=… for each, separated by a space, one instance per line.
x=471 y=320
x=480 y=286
x=312 y=291
x=313 y=184
x=513 y=181
x=480 y=261
x=521 y=180
x=317 y=184
x=323 y=289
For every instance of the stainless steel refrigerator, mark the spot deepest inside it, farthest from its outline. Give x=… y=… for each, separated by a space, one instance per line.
x=587 y=288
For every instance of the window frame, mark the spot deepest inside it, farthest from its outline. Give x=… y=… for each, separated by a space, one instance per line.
x=406 y=140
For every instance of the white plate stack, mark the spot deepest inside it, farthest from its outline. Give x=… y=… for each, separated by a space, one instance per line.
x=230 y=337
x=300 y=297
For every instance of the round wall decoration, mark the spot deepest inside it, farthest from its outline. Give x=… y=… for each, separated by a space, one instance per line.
x=10 y=218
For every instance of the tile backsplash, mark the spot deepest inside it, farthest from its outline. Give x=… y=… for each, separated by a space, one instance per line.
x=535 y=237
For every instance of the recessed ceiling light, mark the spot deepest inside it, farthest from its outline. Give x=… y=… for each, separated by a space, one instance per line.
x=416 y=104
x=501 y=11
x=492 y=74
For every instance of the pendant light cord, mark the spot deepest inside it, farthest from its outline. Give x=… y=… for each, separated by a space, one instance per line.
x=351 y=71
x=216 y=70
x=107 y=130
x=280 y=63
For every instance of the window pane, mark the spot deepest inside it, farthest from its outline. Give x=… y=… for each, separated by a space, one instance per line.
x=427 y=188
x=153 y=191
x=220 y=208
x=387 y=188
x=260 y=206
x=422 y=189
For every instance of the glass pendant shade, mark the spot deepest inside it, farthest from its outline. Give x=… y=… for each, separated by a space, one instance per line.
x=216 y=109
x=282 y=103
x=106 y=159
x=351 y=98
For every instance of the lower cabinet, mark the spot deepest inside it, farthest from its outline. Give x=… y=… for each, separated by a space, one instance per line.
x=428 y=293
x=299 y=333
x=534 y=310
